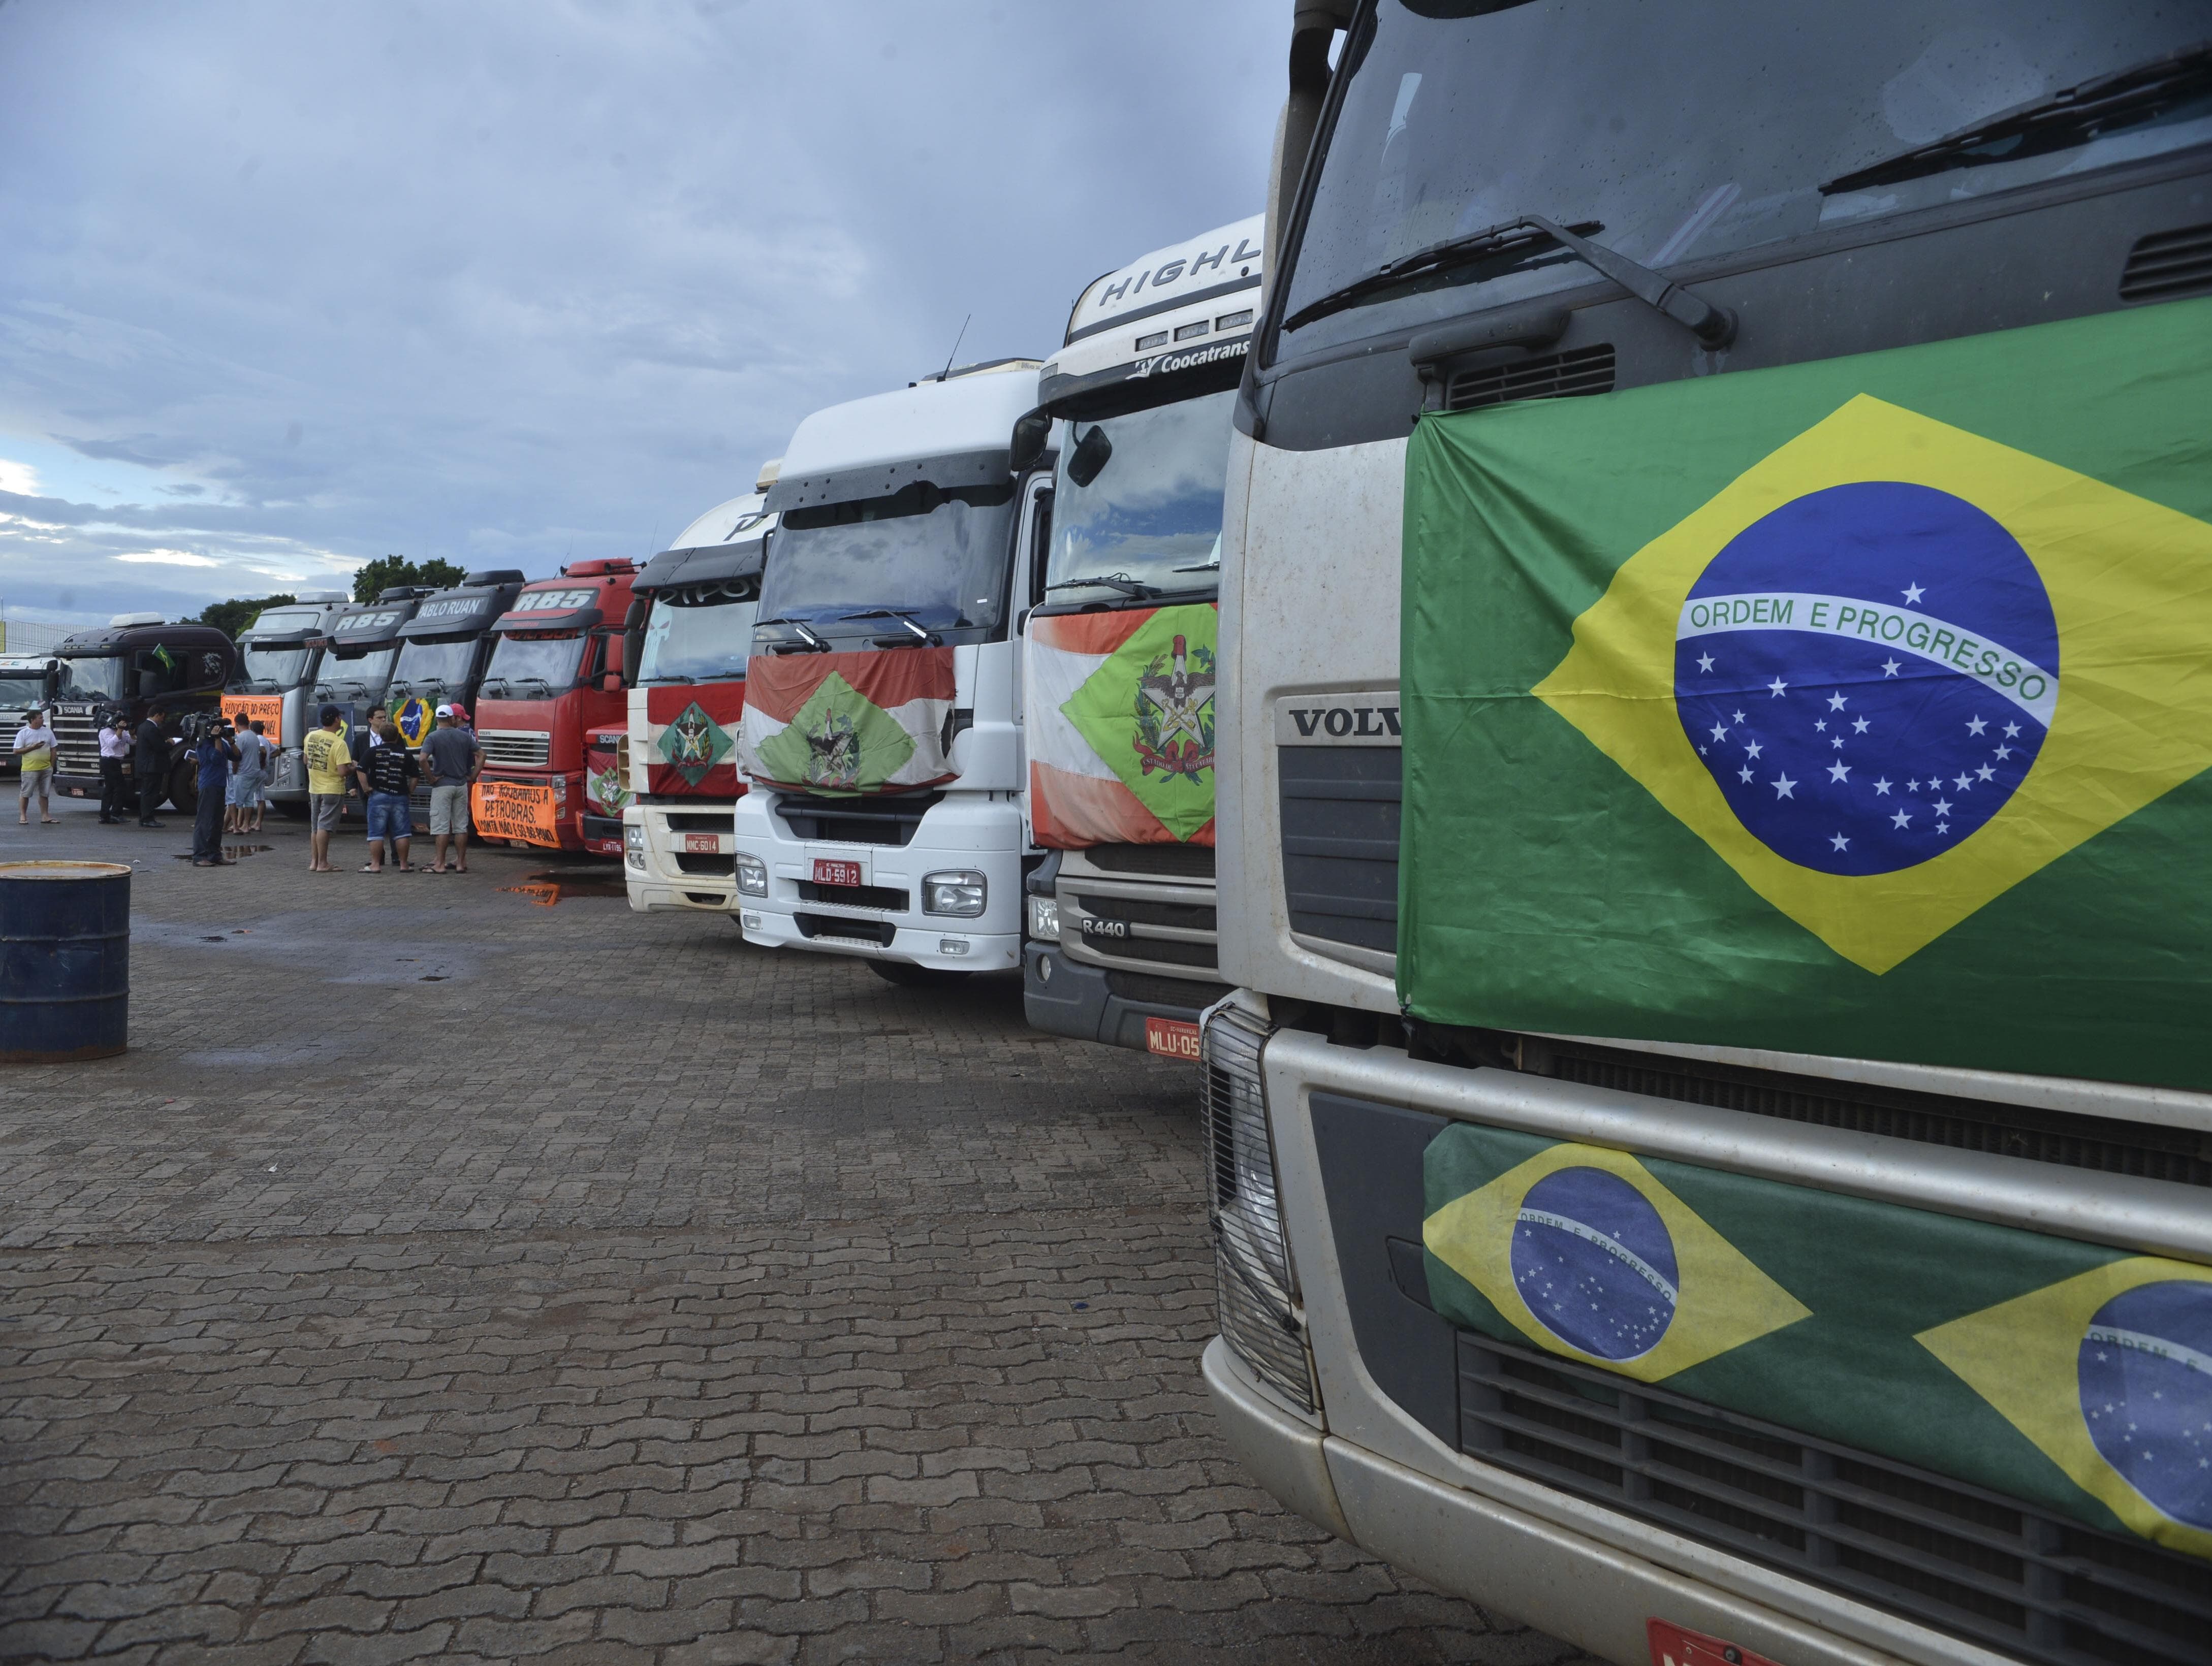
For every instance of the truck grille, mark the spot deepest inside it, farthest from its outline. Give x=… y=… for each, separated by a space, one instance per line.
x=701 y=861
x=886 y=897
x=699 y=821
x=522 y=749
x=1340 y=816
x=76 y=743
x=1554 y=376
x=2035 y=1585
x=893 y=820
x=1251 y=1264
x=1156 y=861
x=1170 y=926
x=879 y=932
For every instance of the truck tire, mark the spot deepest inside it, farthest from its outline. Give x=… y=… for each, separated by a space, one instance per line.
x=184 y=786
x=909 y=976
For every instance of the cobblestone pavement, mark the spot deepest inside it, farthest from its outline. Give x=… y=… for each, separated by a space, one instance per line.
x=447 y=1275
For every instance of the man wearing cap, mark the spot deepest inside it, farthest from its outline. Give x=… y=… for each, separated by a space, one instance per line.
x=452 y=759
x=329 y=762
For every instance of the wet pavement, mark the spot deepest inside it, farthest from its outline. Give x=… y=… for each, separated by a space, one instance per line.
x=463 y=1267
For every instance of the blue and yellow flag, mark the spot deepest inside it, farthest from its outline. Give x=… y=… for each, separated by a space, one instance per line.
x=1861 y=707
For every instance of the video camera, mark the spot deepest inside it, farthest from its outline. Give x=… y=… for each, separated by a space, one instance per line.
x=198 y=725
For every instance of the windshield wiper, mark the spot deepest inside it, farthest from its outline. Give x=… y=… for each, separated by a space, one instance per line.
x=670 y=676
x=2073 y=115
x=1520 y=238
x=901 y=615
x=1121 y=581
x=1715 y=326
x=814 y=643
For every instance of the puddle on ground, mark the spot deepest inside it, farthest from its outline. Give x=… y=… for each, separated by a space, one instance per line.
x=552 y=885
x=233 y=851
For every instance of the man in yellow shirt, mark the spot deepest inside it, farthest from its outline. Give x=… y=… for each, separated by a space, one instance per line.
x=329 y=761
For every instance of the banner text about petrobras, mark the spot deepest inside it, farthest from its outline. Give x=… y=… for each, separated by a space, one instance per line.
x=2010 y=675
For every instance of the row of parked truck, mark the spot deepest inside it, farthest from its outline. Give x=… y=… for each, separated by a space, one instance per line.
x=1641 y=706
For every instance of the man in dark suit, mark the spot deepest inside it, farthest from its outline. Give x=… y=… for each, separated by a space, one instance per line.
x=151 y=765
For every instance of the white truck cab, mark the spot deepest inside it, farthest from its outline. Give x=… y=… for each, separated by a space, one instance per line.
x=881 y=739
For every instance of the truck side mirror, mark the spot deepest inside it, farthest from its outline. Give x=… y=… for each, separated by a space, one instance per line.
x=1092 y=452
x=1030 y=432
x=611 y=683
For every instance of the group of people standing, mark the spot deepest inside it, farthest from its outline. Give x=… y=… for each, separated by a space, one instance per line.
x=376 y=764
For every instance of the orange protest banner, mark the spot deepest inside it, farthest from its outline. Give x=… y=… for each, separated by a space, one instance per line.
x=515 y=809
x=267 y=709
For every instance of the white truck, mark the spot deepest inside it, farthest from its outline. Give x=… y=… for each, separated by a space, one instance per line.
x=1710 y=1147
x=881 y=736
x=1121 y=666
x=690 y=631
x=278 y=655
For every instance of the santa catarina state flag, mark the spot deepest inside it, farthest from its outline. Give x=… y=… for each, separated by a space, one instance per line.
x=1860 y=707
x=691 y=739
x=1120 y=726
x=849 y=722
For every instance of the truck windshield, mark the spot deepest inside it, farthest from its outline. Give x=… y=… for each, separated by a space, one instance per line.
x=533 y=667
x=21 y=688
x=939 y=555
x=355 y=676
x=701 y=635
x=269 y=671
x=1138 y=498
x=107 y=678
x=424 y=665
x=1679 y=142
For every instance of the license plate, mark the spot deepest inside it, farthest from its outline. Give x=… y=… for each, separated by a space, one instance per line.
x=1170 y=1038
x=1115 y=929
x=837 y=873
x=1677 y=1646
x=702 y=843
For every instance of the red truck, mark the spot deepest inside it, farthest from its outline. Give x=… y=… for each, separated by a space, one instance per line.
x=556 y=675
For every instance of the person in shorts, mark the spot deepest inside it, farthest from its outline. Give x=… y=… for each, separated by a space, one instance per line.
x=243 y=805
x=452 y=761
x=35 y=753
x=329 y=763
x=386 y=769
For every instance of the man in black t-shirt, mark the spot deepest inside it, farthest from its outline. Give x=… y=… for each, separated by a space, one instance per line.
x=150 y=764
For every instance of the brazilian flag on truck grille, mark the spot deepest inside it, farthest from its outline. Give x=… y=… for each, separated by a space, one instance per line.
x=2071 y=1375
x=1859 y=708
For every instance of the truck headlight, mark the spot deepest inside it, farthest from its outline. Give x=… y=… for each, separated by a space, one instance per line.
x=752 y=875
x=961 y=891
x=633 y=837
x=1044 y=919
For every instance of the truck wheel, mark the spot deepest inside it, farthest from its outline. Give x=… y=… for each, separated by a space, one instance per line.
x=909 y=976
x=184 y=786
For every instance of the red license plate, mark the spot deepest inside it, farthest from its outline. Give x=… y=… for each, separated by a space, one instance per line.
x=837 y=873
x=1170 y=1038
x=705 y=843
x=1676 y=1646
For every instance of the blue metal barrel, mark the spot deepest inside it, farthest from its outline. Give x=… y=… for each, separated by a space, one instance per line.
x=65 y=961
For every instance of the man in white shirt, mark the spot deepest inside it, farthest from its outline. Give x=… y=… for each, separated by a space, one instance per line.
x=34 y=752
x=114 y=748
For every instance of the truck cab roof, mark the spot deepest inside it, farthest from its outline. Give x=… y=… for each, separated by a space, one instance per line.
x=467 y=608
x=370 y=624
x=292 y=623
x=951 y=433
x=586 y=593
x=728 y=542
x=1183 y=314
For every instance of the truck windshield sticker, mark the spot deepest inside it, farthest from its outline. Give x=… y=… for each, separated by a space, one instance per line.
x=1881 y=674
x=692 y=744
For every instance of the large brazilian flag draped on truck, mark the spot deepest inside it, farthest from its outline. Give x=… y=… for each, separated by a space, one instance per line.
x=1860 y=707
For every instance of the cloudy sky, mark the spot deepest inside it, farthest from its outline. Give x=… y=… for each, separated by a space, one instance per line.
x=285 y=288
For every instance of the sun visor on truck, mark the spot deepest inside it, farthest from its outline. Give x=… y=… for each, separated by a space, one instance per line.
x=704 y=564
x=371 y=629
x=567 y=617
x=451 y=615
x=1157 y=379
x=990 y=467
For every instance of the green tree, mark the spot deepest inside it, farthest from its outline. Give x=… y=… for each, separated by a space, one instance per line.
x=235 y=615
x=373 y=581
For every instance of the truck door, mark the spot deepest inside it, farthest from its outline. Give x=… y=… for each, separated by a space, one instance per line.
x=1036 y=535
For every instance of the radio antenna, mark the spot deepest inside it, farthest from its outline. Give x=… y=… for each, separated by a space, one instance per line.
x=956 y=339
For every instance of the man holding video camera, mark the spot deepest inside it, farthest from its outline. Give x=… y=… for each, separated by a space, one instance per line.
x=215 y=752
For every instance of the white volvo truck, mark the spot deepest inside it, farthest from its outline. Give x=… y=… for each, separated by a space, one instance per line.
x=279 y=655
x=690 y=631
x=1120 y=670
x=881 y=736
x=1710 y=1149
